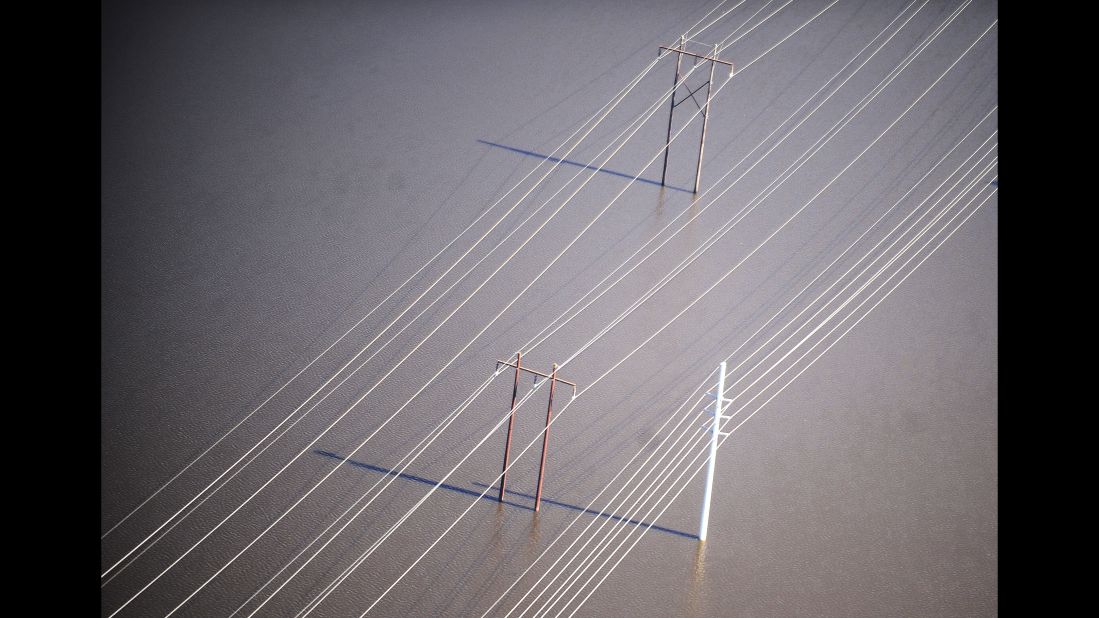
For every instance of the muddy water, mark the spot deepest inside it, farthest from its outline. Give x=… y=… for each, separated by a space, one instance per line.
x=271 y=172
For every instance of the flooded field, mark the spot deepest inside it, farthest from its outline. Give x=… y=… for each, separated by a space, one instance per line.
x=273 y=172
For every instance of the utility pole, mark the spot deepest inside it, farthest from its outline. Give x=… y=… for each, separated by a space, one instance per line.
x=681 y=50
x=511 y=422
x=715 y=431
x=545 y=440
x=552 y=376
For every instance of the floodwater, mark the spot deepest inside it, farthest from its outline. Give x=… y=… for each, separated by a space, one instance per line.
x=272 y=171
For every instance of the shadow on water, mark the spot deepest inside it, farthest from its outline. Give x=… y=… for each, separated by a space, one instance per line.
x=610 y=70
x=488 y=498
x=426 y=224
x=586 y=166
x=662 y=197
x=802 y=275
x=512 y=494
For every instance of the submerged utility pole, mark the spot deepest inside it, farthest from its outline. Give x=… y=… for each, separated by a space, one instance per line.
x=681 y=50
x=552 y=376
x=545 y=439
x=715 y=431
x=511 y=422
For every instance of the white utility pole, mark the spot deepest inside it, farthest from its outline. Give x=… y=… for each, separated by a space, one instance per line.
x=715 y=431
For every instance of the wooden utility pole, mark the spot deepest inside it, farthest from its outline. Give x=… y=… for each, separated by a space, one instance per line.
x=552 y=376
x=681 y=50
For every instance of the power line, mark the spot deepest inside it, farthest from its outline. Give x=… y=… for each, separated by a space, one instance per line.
x=699 y=468
x=356 y=403
x=606 y=108
x=749 y=338
x=590 y=385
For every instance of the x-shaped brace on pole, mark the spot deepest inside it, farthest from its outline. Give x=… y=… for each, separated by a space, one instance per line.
x=691 y=94
x=680 y=51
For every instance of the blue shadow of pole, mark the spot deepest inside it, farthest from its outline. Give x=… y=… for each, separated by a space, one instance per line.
x=470 y=492
x=634 y=522
x=583 y=165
